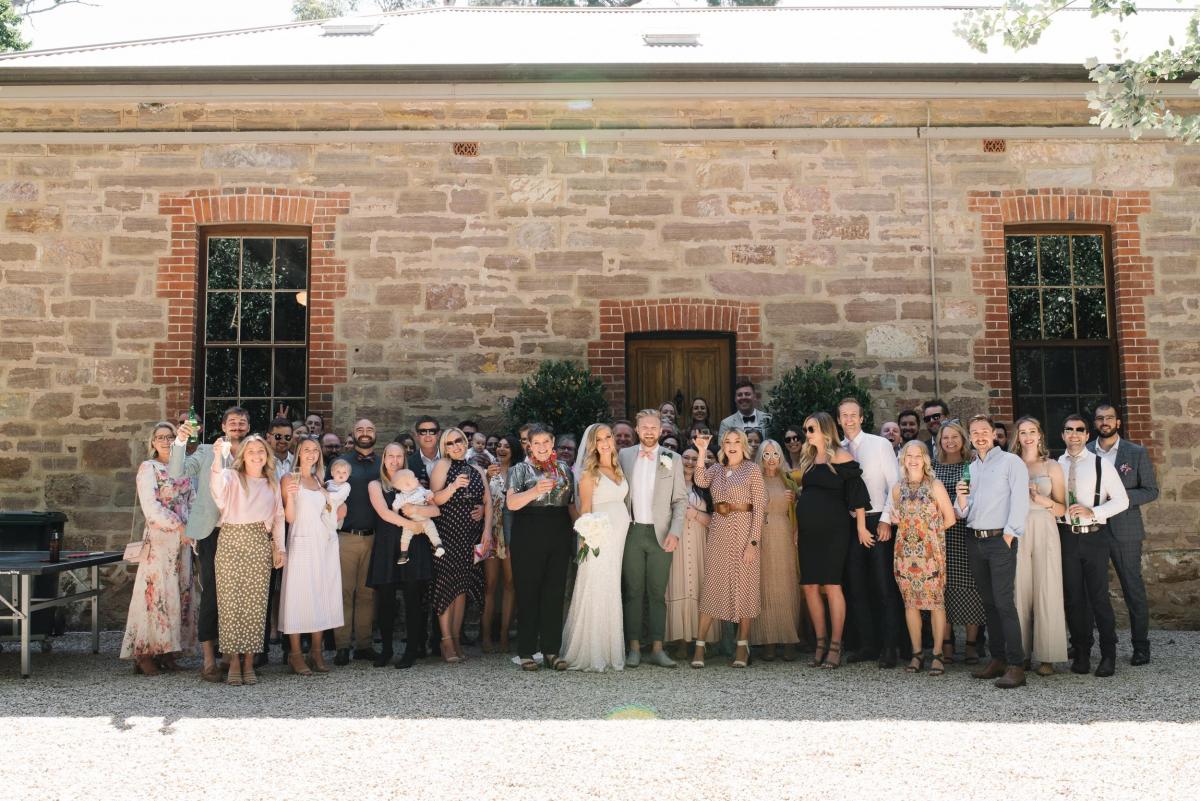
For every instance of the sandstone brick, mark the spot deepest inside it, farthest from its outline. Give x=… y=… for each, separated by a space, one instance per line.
x=742 y=282
x=765 y=205
x=53 y=405
x=373 y=268
x=704 y=256
x=801 y=313
x=693 y=232
x=18 y=251
x=752 y=254
x=866 y=311
x=518 y=166
x=721 y=175
x=506 y=263
x=105 y=454
x=123 y=201
x=89 y=339
x=445 y=297
x=103 y=285
x=93 y=411
x=12 y=468
x=865 y=201
x=572 y=323
x=448 y=339
x=254 y=156
x=834 y=227
x=144 y=225
x=916 y=310
x=34 y=220
x=22 y=302
x=117 y=371
x=621 y=285
x=417 y=201
x=881 y=286
x=468 y=201
x=520 y=319
x=76 y=489
x=397 y=294
x=806 y=198
x=621 y=165
x=1184 y=435
x=569 y=260
x=404 y=244
x=73 y=252
x=639 y=205
x=18 y=191
x=141 y=330
x=28 y=378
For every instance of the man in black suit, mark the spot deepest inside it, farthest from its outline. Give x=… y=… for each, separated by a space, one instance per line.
x=421 y=461
x=1126 y=531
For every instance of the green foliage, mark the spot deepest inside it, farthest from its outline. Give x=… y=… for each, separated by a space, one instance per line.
x=10 y=29
x=1127 y=93
x=815 y=387
x=561 y=394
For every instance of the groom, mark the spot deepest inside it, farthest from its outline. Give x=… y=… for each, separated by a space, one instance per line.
x=657 y=502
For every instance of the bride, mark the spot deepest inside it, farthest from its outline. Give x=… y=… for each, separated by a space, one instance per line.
x=592 y=637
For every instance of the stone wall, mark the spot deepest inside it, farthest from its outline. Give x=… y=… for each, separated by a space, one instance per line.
x=448 y=278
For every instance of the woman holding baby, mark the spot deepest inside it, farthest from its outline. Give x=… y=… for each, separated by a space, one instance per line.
x=310 y=600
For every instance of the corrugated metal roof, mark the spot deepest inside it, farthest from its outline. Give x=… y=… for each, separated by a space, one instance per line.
x=531 y=42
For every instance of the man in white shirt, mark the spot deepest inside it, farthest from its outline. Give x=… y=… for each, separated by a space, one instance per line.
x=1094 y=494
x=872 y=598
x=747 y=416
x=280 y=440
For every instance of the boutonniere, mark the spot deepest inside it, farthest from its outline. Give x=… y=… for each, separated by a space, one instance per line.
x=1125 y=469
x=665 y=462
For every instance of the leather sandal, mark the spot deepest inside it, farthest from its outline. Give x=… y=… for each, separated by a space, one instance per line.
x=820 y=652
x=741 y=663
x=937 y=671
x=529 y=665
x=698 y=655
x=971 y=660
x=234 y=678
x=919 y=658
x=317 y=667
x=835 y=647
x=298 y=665
x=249 y=677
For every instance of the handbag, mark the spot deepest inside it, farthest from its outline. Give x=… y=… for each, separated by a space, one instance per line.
x=134 y=549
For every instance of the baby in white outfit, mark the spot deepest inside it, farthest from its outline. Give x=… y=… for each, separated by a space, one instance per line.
x=409 y=490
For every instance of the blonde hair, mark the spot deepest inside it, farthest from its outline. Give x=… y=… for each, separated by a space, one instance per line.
x=927 y=474
x=591 y=459
x=968 y=453
x=159 y=426
x=655 y=413
x=239 y=463
x=808 y=454
x=762 y=449
x=1015 y=446
x=318 y=469
x=385 y=476
x=446 y=435
x=741 y=437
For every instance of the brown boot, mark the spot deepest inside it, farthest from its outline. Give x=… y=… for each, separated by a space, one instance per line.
x=992 y=670
x=1013 y=677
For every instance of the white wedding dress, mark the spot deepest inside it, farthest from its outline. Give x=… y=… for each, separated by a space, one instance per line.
x=593 y=638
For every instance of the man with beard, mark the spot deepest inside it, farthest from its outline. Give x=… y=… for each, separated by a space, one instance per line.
x=1126 y=531
x=279 y=438
x=910 y=425
x=355 y=538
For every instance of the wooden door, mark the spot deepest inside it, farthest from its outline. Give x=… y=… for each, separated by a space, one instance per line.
x=659 y=370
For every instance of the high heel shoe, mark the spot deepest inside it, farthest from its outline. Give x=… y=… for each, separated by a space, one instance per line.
x=835 y=647
x=698 y=655
x=317 y=667
x=448 y=654
x=145 y=666
x=234 y=678
x=741 y=663
x=298 y=665
x=819 y=654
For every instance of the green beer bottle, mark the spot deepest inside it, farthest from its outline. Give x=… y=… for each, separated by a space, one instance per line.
x=194 y=422
x=1070 y=503
x=966 y=475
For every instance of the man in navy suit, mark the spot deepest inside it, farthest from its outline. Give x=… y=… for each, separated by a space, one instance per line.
x=1126 y=531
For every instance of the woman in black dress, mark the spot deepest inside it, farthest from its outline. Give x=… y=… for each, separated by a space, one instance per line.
x=831 y=490
x=458 y=488
x=384 y=575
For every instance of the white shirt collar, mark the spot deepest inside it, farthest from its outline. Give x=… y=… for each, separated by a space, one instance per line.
x=1116 y=444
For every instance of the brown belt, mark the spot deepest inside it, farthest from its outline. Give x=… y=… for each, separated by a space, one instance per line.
x=724 y=508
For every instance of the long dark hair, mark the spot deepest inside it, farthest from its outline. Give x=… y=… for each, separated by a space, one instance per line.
x=516 y=452
x=703 y=493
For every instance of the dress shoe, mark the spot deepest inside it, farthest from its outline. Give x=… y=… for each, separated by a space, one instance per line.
x=887 y=659
x=213 y=674
x=365 y=654
x=407 y=660
x=661 y=659
x=1140 y=658
x=1081 y=664
x=992 y=670
x=342 y=657
x=1107 y=666
x=1012 y=678
x=633 y=658
x=383 y=658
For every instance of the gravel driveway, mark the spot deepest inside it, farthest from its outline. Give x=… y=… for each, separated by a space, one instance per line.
x=84 y=727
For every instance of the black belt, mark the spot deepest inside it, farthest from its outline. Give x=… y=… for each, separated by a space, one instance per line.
x=1088 y=529
x=362 y=532
x=987 y=533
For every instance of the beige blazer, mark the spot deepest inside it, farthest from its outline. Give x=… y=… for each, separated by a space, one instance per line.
x=670 y=493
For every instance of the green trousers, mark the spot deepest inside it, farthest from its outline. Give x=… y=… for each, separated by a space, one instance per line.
x=645 y=569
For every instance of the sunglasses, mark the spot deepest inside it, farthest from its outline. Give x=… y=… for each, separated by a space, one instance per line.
x=703 y=432
x=284 y=437
x=1074 y=430
x=792 y=438
x=929 y=418
x=427 y=432
x=810 y=429
x=454 y=443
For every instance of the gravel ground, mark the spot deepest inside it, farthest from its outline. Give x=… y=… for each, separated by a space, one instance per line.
x=84 y=727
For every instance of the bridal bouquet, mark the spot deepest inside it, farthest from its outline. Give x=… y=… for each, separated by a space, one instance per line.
x=593 y=531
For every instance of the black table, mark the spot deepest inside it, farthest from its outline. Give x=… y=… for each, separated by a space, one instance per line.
x=22 y=566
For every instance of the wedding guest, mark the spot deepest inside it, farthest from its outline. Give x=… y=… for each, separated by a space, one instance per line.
x=409 y=442
x=909 y=422
x=1002 y=436
x=754 y=438
x=623 y=434
x=566 y=447
x=469 y=428
x=492 y=441
x=670 y=442
x=831 y=511
x=203 y=524
x=458 y=487
x=1094 y=494
x=479 y=455
x=315 y=424
x=331 y=447
x=523 y=435
x=540 y=492
x=283 y=438
x=299 y=432
x=355 y=540
x=779 y=621
x=250 y=544
x=508 y=453
x=700 y=413
x=182 y=418
x=873 y=599
x=890 y=431
x=310 y=597
x=162 y=615
x=667 y=412
x=793 y=445
x=422 y=460
x=995 y=504
x=1125 y=531
x=745 y=398
x=964 y=606
x=384 y=575
x=920 y=508
x=933 y=412
x=687 y=563
x=279 y=435
x=730 y=589
x=1039 y=591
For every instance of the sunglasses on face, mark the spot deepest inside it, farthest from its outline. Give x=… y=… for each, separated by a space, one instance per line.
x=810 y=429
x=454 y=443
x=427 y=432
x=1074 y=430
x=792 y=438
x=929 y=418
x=284 y=437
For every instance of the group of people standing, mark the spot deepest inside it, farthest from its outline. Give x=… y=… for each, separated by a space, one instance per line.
x=877 y=549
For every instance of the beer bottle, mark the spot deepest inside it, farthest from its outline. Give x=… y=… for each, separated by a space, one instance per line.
x=1070 y=503
x=194 y=422
x=55 y=542
x=966 y=475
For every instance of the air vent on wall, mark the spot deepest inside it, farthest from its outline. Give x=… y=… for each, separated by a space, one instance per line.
x=994 y=145
x=470 y=149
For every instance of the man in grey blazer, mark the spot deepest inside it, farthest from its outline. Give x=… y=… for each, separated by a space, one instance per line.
x=1125 y=531
x=657 y=501
x=203 y=524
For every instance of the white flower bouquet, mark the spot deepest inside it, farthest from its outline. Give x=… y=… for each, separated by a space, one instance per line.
x=593 y=530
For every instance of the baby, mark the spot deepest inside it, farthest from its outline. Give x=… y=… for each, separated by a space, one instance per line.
x=479 y=453
x=409 y=490
x=339 y=474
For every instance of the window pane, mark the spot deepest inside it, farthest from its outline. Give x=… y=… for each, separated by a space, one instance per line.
x=1027 y=369
x=260 y=413
x=1057 y=410
x=223 y=262
x=1056 y=266
x=213 y=410
x=256 y=263
x=1022 y=260
x=1094 y=370
x=291 y=263
x=290 y=317
x=295 y=408
x=219 y=322
x=1091 y=309
x=1088 y=252
x=221 y=373
x=1059 y=371
x=1057 y=314
x=289 y=371
x=256 y=372
x=1023 y=314
x=256 y=317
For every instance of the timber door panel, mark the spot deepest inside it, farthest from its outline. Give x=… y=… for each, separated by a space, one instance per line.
x=658 y=369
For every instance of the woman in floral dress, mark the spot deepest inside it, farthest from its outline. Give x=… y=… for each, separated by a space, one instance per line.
x=508 y=453
x=162 y=618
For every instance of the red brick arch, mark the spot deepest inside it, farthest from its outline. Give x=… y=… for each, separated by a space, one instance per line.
x=1133 y=274
x=173 y=361
x=606 y=355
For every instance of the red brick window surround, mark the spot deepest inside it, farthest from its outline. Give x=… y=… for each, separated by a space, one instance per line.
x=1133 y=276
x=174 y=359
x=753 y=358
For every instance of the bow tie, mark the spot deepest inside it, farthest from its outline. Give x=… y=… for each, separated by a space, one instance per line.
x=645 y=454
x=746 y=419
